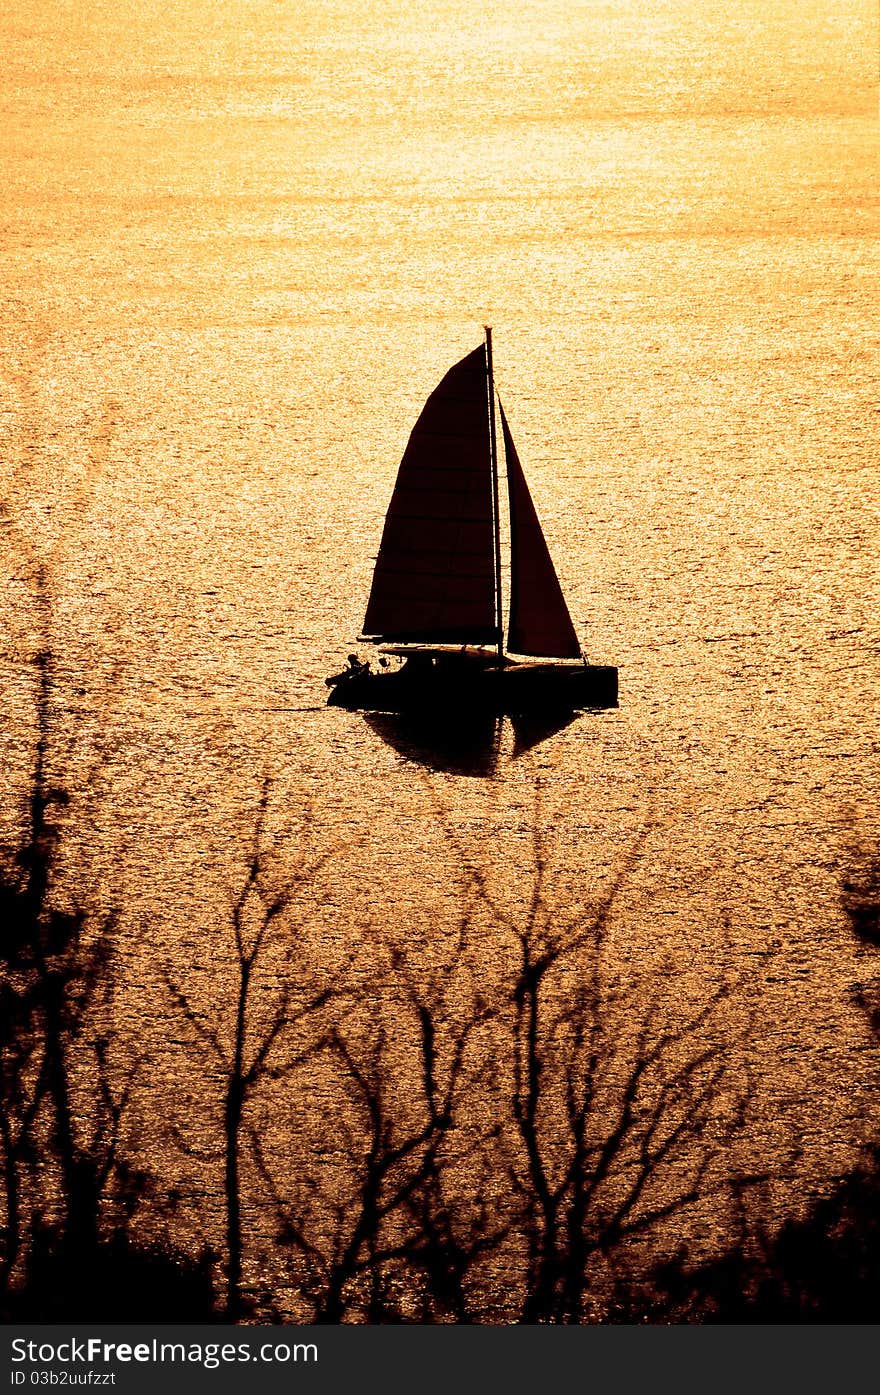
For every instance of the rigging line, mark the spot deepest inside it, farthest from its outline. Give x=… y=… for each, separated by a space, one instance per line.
x=493 y=456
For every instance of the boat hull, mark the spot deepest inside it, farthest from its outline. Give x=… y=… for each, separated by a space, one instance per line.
x=512 y=690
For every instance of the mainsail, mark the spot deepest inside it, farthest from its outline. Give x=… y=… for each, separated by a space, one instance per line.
x=539 y=622
x=434 y=580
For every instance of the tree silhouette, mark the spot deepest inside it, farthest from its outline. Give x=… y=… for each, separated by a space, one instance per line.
x=245 y=1050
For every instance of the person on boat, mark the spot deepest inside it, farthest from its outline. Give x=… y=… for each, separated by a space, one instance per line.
x=355 y=668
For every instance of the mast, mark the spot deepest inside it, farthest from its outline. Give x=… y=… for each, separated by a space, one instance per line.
x=493 y=457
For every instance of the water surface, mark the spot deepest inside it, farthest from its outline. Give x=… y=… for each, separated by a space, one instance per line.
x=241 y=245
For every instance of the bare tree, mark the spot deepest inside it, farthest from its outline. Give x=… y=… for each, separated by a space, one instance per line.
x=64 y=1094
x=609 y=1102
x=506 y=1124
x=246 y=1050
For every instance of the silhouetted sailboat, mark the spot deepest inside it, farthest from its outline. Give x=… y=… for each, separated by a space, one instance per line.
x=436 y=597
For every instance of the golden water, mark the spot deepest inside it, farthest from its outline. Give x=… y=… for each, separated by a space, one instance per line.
x=241 y=243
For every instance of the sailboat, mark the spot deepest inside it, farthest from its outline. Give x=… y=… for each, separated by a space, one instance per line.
x=435 y=606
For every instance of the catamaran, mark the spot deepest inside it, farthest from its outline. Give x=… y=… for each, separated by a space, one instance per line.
x=435 y=605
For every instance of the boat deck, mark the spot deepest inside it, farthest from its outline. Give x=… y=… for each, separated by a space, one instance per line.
x=515 y=688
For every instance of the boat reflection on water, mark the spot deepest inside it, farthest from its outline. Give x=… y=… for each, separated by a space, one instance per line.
x=531 y=728
x=464 y=744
